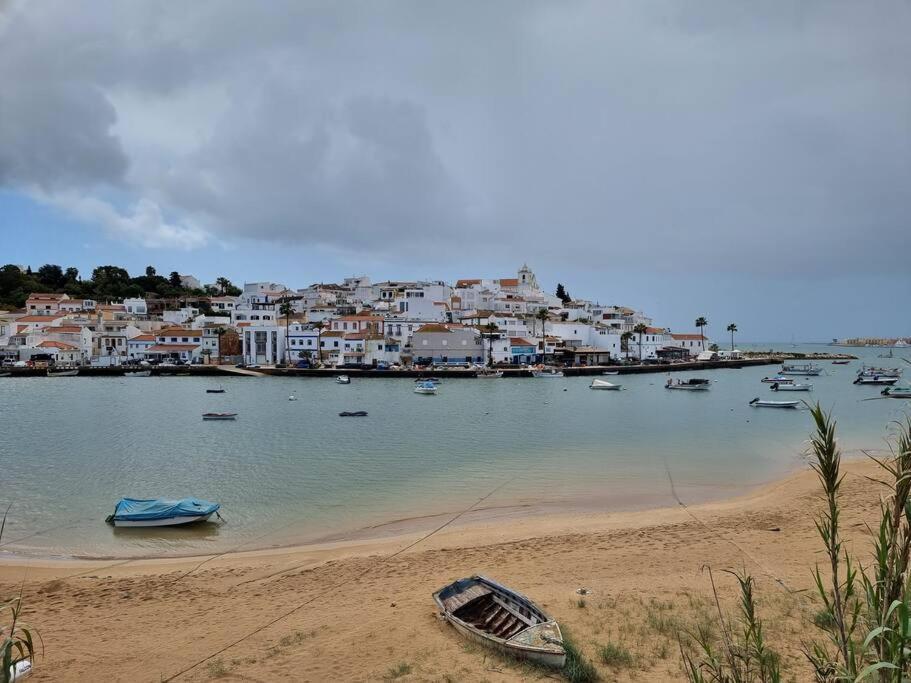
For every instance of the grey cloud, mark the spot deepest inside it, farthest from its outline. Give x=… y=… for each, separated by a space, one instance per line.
x=750 y=137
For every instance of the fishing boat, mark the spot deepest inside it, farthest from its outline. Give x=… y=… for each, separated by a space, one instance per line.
x=763 y=403
x=551 y=372
x=435 y=380
x=215 y=391
x=840 y=362
x=135 y=512
x=494 y=615
x=6 y=374
x=138 y=373
x=426 y=388
x=806 y=370
x=780 y=379
x=354 y=413
x=219 y=416
x=487 y=373
x=878 y=372
x=692 y=384
x=62 y=373
x=604 y=384
x=794 y=386
x=876 y=380
x=897 y=392
x=343 y=379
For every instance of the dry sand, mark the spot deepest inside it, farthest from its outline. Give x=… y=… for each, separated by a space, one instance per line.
x=349 y=612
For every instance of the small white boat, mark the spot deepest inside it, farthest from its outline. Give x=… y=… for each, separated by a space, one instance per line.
x=762 y=403
x=292 y=397
x=806 y=370
x=6 y=374
x=145 y=512
x=62 y=373
x=553 y=372
x=489 y=374
x=780 y=379
x=219 y=416
x=604 y=384
x=138 y=373
x=692 y=384
x=876 y=379
x=343 y=379
x=794 y=386
x=496 y=616
x=611 y=372
x=20 y=670
x=426 y=388
x=897 y=392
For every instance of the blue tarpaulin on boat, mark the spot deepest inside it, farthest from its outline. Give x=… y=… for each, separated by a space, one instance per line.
x=134 y=509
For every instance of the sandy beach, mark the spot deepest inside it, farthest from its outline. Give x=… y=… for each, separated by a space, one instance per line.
x=361 y=610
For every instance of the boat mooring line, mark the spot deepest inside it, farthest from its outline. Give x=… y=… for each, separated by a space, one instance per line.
x=332 y=588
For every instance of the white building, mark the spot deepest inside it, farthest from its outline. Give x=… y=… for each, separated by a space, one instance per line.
x=136 y=307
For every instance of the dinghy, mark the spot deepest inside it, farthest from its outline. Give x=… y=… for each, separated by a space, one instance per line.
x=354 y=413
x=215 y=391
x=435 y=380
x=138 y=373
x=806 y=370
x=611 y=372
x=840 y=362
x=62 y=373
x=692 y=384
x=777 y=380
x=762 y=403
x=552 y=372
x=489 y=374
x=897 y=392
x=343 y=379
x=426 y=388
x=292 y=397
x=219 y=416
x=501 y=618
x=876 y=379
x=604 y=384
x=136 y=512
x=791 y=387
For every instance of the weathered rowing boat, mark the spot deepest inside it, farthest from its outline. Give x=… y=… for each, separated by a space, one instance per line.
x=762 y=403
x=495 y=615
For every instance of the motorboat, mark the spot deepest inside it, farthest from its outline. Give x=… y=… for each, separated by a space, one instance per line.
x=219 y=416
x=353 y=413
x=488 y=373
x=897 y=392
x=763 y=403
x=780 y=379
x=435 y=380
x=840 y=362
x=343 y=379
x=292 y=397
x=551 y=372
x=604 y=384
x=611 y=372
x=805 y=370
x=138 y=373
x=876 y=379
x=145 y=512
x=879 y=372
x=62 y=373
x=215 y=391
x=692 y=384
x=492 y=614
x=793 y=386
x=426 y=388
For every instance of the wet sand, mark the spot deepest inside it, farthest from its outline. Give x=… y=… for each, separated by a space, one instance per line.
x=359 y=608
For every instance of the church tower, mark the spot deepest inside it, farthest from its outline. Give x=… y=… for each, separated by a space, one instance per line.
x=527 y=280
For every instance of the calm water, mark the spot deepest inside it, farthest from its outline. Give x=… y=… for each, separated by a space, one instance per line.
x=293 y=471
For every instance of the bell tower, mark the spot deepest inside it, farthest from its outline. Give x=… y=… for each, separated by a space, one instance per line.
x=527 y=279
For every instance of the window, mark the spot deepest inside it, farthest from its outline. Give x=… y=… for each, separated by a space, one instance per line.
x=335 y=344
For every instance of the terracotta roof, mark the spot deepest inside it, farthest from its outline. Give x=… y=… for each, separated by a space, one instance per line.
x=167 y=348
x=330 y=333
x=63 y=329
x=693 y=337
x=38 y=318
x=433 y=327
x=57 y=345
x=519 y=341
x=509 y=282
x=467 y=283
x=143 y=337
x=655 y=330
x=45 y=296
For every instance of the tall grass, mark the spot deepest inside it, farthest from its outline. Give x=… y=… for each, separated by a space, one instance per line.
x=865 y=614
x=16 y=638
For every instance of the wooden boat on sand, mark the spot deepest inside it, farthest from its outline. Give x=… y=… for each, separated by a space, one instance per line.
x=494 y=615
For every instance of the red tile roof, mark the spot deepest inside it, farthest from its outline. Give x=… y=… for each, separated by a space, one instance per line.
x=168 y=348
x=467 y=283
x=519 y=341
x=57 y=345
x=143 y=337
x=509 y=282
x=687 y=337
x=38 y=318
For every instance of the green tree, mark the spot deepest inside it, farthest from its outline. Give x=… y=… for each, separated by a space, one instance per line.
x=624 y=342
x=702 y=323
x=150 y=271
x=488 y=331
x=51 y=275
x=71 y=275
x=640 y=329
x=542 y=315
x=562 y=294
x=174 y=279
x=732 y=328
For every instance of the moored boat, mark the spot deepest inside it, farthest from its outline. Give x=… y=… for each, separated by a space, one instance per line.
x=138 y=373
x=878 y=372
x=435 y=380
x=779 y=379
x=353 y=413
x=215 y=391
x=426 y=388
x=549 y=372
x=219 y=416
x=497 y=616
x=840 y=362
x=6 y=374
x=145 y=512
x=897 y=392
x=876 y=380
x=62 y=373
x=488 y=373
x=343 y=379
x=805 y=370
x=794 y=386
x=604 y=384
x=692 y=384
x=763 y=403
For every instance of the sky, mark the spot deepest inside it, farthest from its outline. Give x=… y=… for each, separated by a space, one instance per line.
x=749 y=162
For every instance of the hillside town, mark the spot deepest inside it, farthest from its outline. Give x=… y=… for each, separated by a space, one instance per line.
x=355 y=323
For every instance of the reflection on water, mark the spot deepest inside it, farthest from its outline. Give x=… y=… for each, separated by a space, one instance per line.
x=288 y=471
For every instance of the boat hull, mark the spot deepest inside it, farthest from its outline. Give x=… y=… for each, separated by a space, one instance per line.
x=168 y=521
x=684 y=387
x=63 y=373
x=881 y=381
x=774 y=404
x=605 y=386
x=791 y=387
x=219 y=417
x=555 y=660
x=141 y=373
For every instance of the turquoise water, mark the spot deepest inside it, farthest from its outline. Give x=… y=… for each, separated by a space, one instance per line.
x=291 y=471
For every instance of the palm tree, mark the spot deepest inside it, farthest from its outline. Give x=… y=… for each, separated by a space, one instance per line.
x=542 y=316
x=640 y=329
x=732 y=328
x=222 y=283
x=318 y=326
x=286 y=309
x=219 y=332
x=702 y=323
x=488 y=331
x=624 y=342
